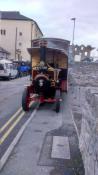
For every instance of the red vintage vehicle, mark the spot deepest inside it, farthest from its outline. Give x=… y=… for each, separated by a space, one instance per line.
x=49 y=66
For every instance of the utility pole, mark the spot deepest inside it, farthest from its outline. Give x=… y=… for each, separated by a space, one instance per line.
x=15 y=42
x=73 y=36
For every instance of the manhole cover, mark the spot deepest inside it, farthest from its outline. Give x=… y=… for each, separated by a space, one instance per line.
x=37 y=130
x=60 y=145
x=45 y=123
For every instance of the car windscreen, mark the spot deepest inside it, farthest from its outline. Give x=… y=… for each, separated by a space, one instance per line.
x=1 y=67
x=8 y=65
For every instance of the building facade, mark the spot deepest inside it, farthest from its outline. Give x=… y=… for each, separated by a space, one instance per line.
x=16 y=33
x=4 y=54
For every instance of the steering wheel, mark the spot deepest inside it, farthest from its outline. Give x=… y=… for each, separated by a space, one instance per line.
x=36 y=67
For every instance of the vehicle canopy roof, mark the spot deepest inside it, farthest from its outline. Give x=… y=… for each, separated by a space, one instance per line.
x=51 y=50
x=51 y=44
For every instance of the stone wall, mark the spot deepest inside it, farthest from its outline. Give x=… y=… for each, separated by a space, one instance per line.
x=84 y=83
x=86 y=122
x=88 y=140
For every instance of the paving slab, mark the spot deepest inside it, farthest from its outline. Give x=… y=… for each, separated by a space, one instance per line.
x=60 y=148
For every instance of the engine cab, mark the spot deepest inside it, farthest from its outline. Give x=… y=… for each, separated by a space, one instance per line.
x=49 y=68
x=49 y=65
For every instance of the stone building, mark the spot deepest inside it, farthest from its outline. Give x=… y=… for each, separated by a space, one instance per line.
x=83 y=51
x=16 y=33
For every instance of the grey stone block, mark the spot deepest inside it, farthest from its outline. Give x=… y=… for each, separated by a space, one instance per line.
x=96 y=168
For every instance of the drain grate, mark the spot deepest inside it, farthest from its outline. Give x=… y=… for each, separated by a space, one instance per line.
x=44 y=123
x=37 y=130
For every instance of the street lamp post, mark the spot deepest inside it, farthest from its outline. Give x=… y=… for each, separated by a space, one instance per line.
x=73 y=37
x=15 y=42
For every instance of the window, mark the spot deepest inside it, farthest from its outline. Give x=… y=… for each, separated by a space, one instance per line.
x=3 y=32
x=11 y=66
x=75 y=48
x=1 y=67
x=14 y=67
x=20 y=44
x=36 y=34
x=85 y=53
x=7 y=65
x=82 y=47
x=20 y=33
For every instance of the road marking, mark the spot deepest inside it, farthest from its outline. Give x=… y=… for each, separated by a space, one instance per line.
x=60 y=147
x=10 y=120
x=14 y=142
x=2 y=139
x=11 y=128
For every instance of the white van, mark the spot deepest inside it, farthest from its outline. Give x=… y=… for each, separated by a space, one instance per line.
x=7 y=69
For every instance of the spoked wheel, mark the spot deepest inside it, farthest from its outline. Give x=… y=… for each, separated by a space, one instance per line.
x=25 y=100
x=9 y=77
x=58 y=96
x=57 y=106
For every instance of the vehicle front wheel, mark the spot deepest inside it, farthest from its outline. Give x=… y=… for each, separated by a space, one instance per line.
x=9 y=77
x=25 y=100
x=57 y=106
x=58 y=96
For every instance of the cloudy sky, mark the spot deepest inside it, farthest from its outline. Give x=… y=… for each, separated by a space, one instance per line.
x=53 y=17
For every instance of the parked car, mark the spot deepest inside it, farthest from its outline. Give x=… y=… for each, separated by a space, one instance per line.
x=7 y=69
x=87 y=60
x=23 y=68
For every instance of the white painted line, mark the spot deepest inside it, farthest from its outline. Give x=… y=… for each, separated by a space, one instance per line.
x=14 y=142
x=60 y=147
x=74 y=124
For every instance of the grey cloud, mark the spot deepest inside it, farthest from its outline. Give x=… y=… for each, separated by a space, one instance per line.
x=54 y=17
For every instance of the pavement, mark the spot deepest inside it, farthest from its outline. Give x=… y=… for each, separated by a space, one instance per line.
x=49 y=145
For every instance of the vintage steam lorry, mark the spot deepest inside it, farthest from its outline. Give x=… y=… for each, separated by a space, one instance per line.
x=49 y=69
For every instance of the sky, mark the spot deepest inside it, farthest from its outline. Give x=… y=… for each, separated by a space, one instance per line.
x=54 y=17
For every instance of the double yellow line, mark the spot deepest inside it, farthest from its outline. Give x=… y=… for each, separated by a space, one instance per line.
x=6 y=134
x=19 y=114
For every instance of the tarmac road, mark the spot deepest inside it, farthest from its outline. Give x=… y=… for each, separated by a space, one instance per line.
x=49 y=145
x=12 y=117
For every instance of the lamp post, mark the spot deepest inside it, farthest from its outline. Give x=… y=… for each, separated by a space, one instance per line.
x=15 y=42
x=73 y=37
